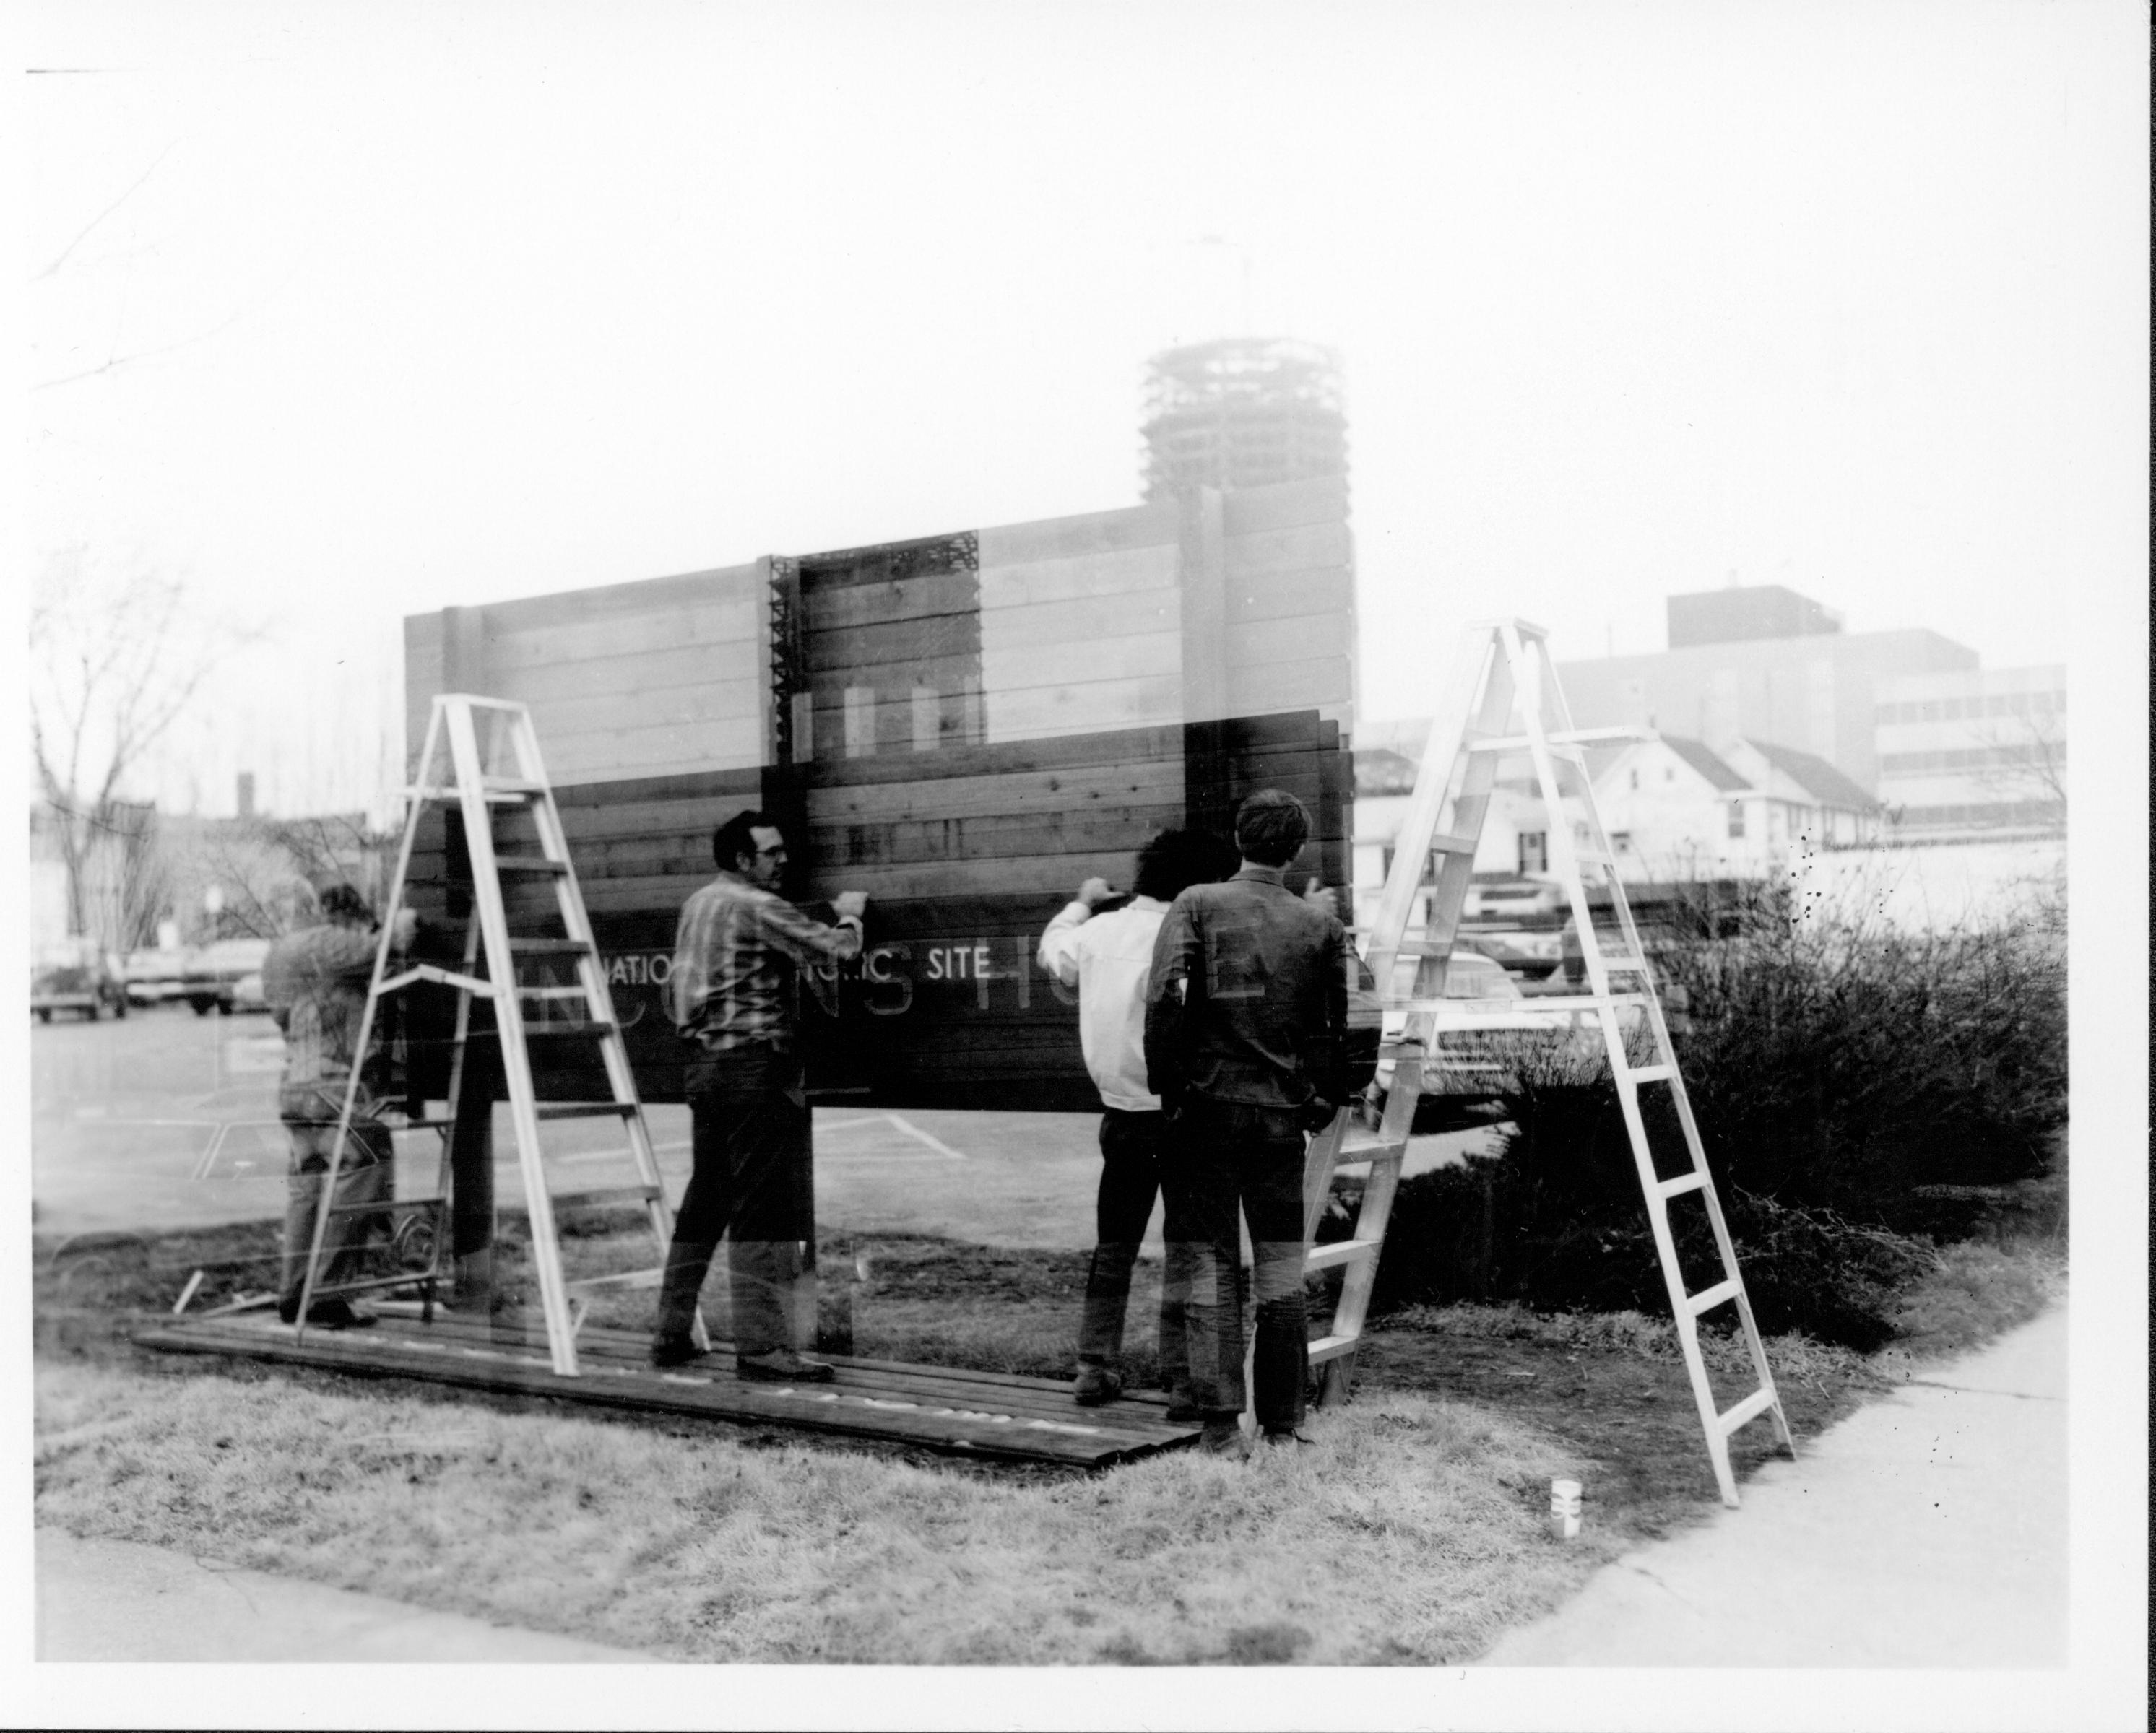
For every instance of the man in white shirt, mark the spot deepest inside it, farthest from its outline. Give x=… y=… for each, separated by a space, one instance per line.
x=1108 y=957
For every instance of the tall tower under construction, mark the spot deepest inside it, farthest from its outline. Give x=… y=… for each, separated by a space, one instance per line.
x=1242 y=412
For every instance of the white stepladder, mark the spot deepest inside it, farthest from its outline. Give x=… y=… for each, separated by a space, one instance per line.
x=1503 y=670
x=503 y=770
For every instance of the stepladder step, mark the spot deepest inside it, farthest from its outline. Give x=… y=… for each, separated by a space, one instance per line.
x=1338 y=1252
x=1721 y=1294
x=599 y=1196
x=586 y=1110
x=1751 y=1408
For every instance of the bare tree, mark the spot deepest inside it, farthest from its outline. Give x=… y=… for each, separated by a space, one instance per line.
x=270 y=872
x=2027 y=758
x=114 y=659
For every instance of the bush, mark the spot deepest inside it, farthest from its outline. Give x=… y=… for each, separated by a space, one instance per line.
x=1837 y=1063
x=1859 y=1091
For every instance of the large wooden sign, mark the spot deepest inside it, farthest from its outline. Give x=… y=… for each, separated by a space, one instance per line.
x=964 y=727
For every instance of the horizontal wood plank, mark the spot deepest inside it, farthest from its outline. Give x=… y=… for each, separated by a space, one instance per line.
x=636 y=596
x=1249 y=512
x=741 y=667
x=724 y=620
x=1031 y=713
x=1304 y=639
x=1007 y=668
x=828 y=607
x=1070 y=788
x=838 y=846
x=1323 y=545
x=1131 y=572
x=654 y=751
x=1272 y=596
x=1092 y=533
x=1292 y=685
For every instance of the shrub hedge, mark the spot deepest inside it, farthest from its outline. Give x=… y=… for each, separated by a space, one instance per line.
x=1859 y=1090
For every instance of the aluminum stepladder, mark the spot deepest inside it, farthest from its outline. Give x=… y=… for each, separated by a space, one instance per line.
x=1504 y=667
x=476 y=780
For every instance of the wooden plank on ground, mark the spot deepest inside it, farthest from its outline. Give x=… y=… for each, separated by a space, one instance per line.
x=962 y=1416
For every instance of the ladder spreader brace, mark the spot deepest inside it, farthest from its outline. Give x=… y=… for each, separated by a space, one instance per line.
x=468 y=781
x=1503 y=667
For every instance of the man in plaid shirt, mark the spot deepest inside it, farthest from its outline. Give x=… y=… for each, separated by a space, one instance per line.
x=316 y=983
x=741 y=955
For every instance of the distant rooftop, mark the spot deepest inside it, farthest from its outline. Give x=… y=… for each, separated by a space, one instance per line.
x=1819 y=778
x=1697 y=754
x=1746 y=611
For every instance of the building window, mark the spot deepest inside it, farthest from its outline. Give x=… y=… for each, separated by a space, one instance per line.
x=1635 y=779
x=1736 y=818
x=1621 y=841
x=1534 y=852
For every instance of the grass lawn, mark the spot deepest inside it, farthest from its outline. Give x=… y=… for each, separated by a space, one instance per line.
x=1410 y=1532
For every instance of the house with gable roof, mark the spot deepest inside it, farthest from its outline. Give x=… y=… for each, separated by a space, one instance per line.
x=1804 y=798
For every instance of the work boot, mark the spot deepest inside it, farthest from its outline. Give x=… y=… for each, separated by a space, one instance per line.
x=783 y=1365
x=1096 y=1385
x=675 y=1350
x=686 y=1261
x=338 y=1315
x=1280 y=1437
x=1224 y=1438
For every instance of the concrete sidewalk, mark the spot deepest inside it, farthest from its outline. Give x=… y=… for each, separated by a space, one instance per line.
x=116 y=1601
x=1928 y=1530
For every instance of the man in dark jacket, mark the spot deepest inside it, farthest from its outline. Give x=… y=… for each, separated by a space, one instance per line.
x=1246 y=1044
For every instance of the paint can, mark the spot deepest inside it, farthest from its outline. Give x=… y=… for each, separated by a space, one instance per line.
x=1564 y=1509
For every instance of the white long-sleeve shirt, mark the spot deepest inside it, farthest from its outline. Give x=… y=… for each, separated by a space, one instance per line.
x=1108 y=959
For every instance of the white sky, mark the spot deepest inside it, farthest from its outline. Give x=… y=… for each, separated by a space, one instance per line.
x=446 y=304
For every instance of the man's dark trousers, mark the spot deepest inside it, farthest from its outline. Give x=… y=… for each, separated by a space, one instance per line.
x=1130 y=1179
x=1222 y=1156
x=749 y=1138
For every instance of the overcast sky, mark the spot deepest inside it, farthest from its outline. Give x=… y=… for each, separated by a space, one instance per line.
x=348 y=312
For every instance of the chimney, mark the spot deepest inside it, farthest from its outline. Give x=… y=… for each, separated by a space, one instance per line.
x=247 y=794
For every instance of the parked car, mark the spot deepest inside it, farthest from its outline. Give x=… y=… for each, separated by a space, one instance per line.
x=73 y=974
x=214 y=975
x=1482 y=1047
x=1514 y=902
x=1528 y=956
x=152 y=976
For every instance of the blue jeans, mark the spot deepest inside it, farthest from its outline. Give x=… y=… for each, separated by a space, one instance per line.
x=1130 y=1179
x=1221 y=1157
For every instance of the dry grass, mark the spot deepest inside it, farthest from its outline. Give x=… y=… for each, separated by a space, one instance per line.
x=1410 y=1532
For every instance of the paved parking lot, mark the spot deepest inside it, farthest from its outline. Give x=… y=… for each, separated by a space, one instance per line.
x=169 y=1119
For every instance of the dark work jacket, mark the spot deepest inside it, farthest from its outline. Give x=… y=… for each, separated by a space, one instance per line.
x=1247 y=1000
